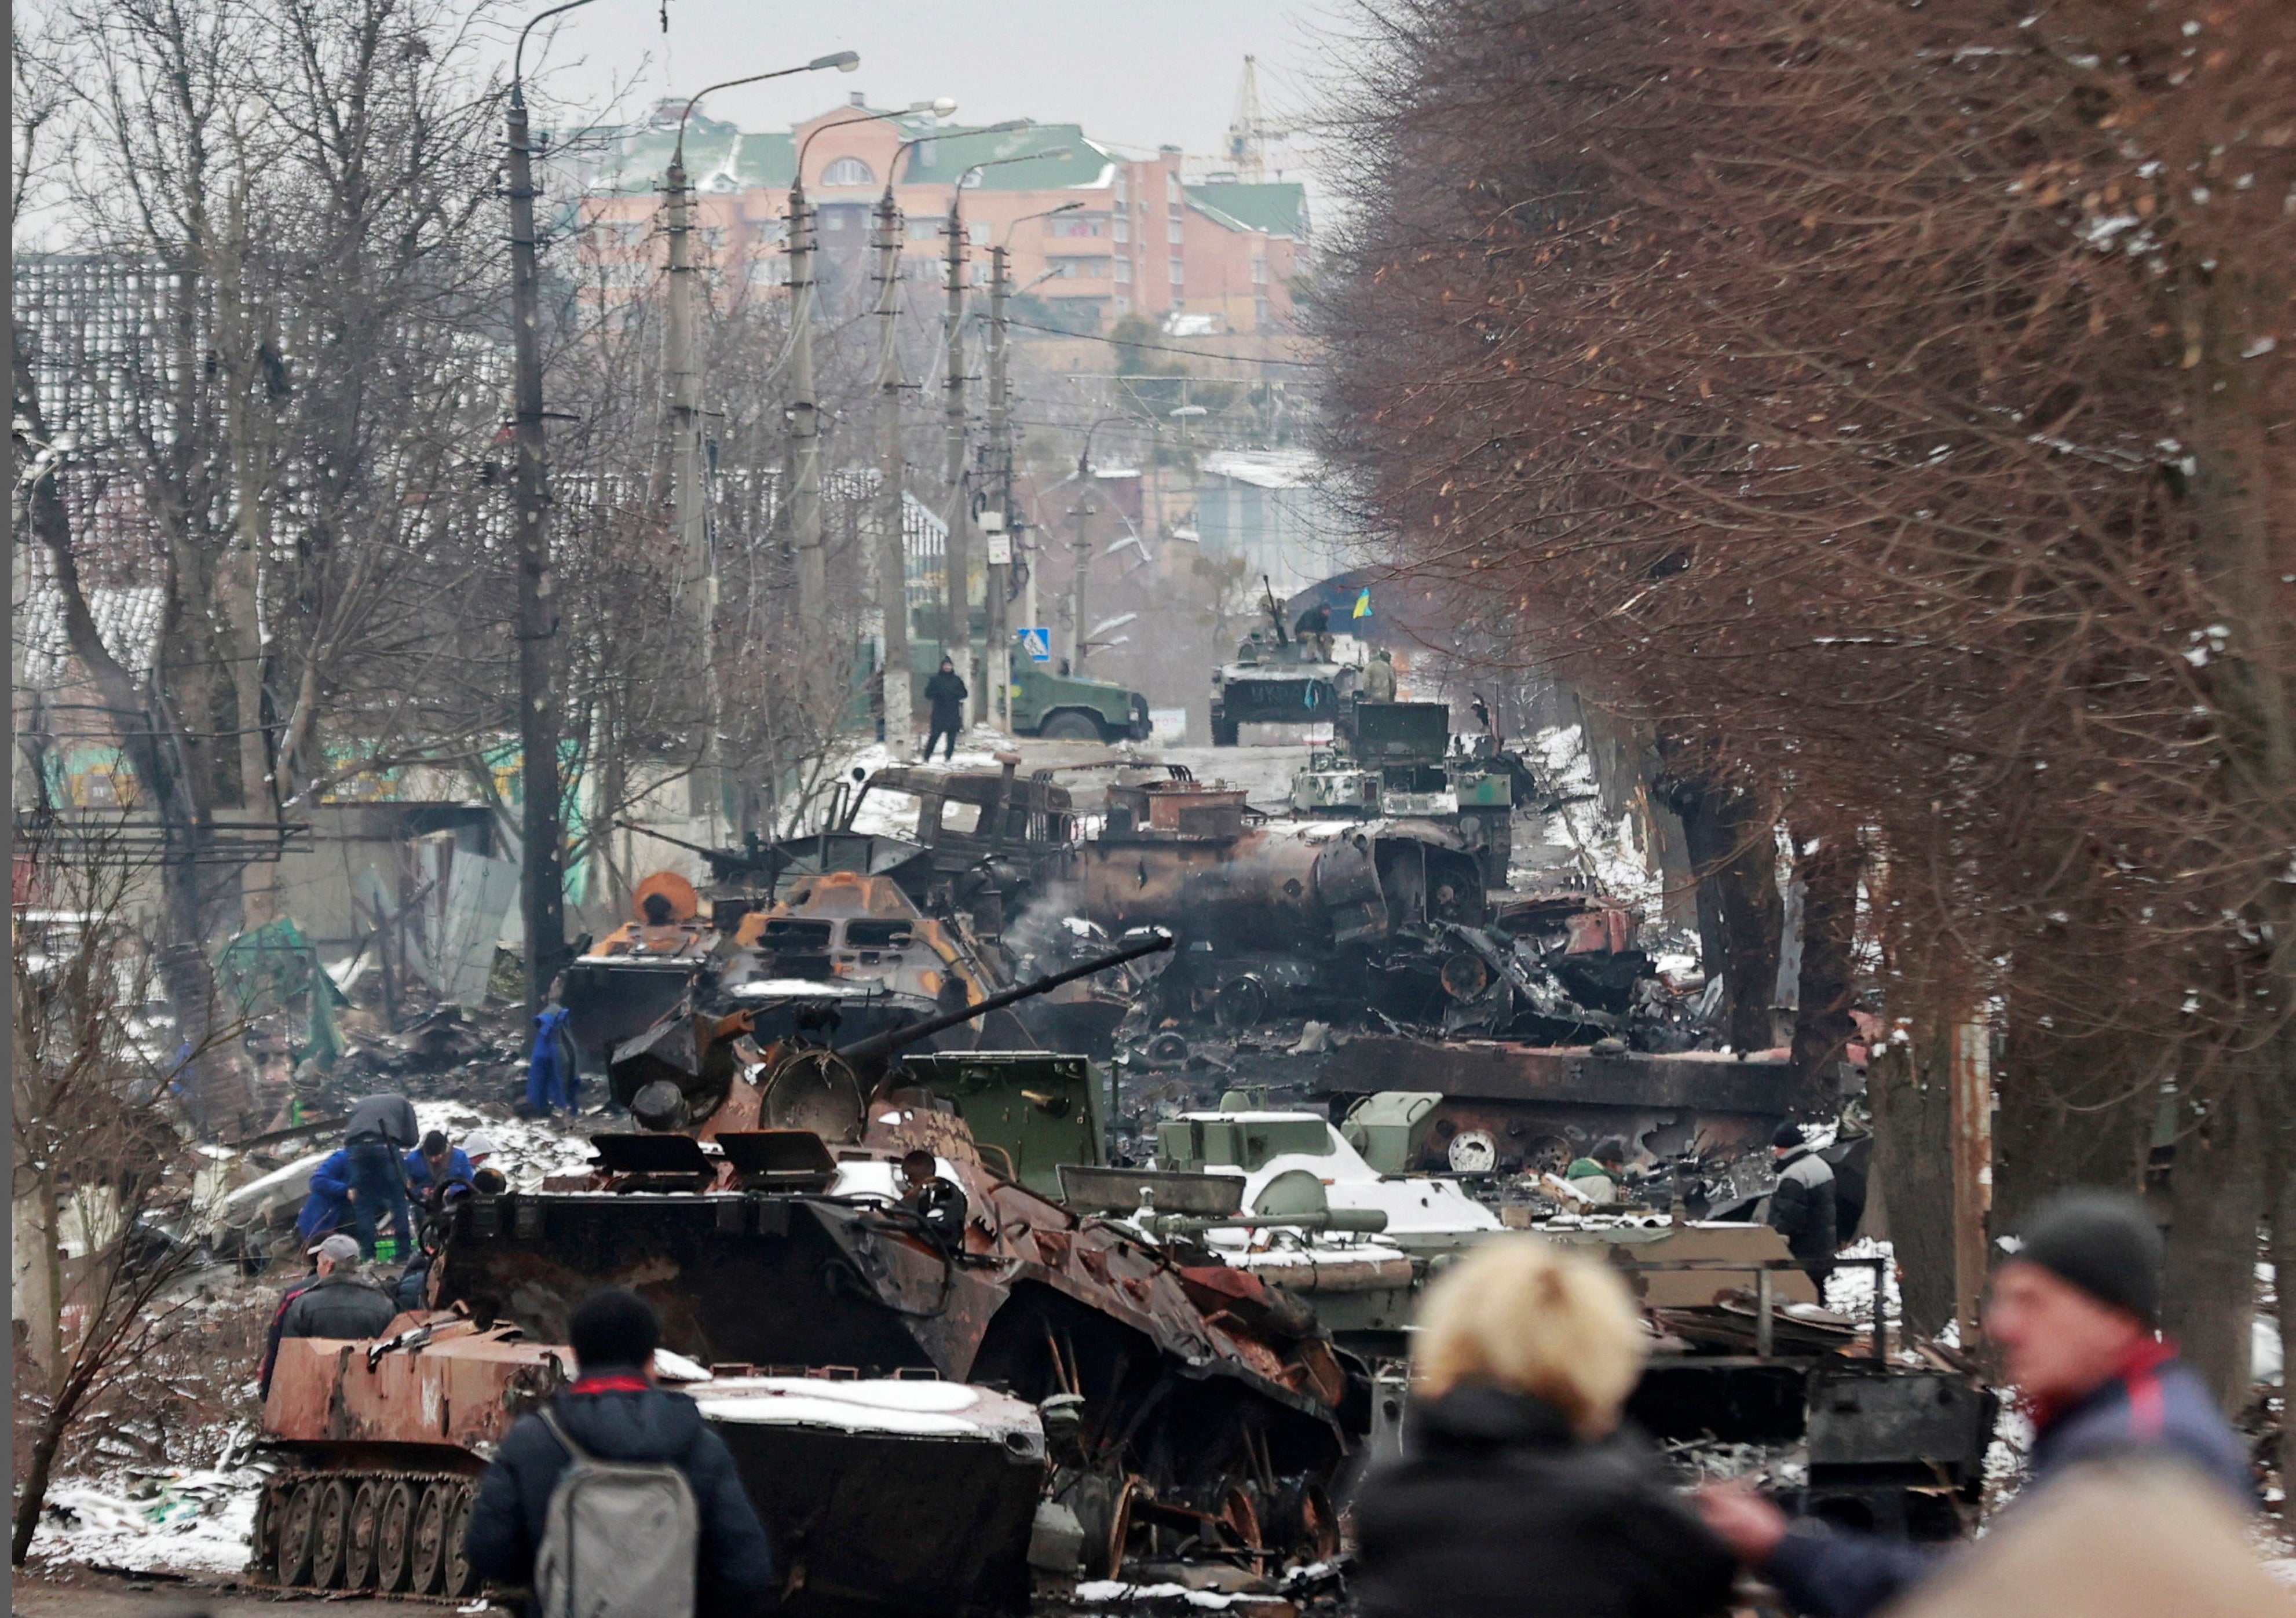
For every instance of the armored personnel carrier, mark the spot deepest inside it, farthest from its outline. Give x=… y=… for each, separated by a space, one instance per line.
x=933 y=1378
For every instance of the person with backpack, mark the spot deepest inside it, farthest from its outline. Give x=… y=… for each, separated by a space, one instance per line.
x=616 y=1500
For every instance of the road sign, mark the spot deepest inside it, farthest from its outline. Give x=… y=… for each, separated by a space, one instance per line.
x=1039 y=643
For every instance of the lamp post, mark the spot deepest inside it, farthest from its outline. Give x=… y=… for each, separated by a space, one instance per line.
x=697 y=560
x=542 y=875
x=957 y=639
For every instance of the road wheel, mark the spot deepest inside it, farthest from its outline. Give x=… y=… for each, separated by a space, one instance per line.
x=461 y=1579
x=394 y=1535
x=358 y=1537
x=1239 y=1520
x=328 y=1521
x=295 y=1533
x=1069 y=725
x=427 y=1548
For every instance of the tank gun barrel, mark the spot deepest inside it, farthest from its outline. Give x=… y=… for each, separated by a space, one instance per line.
x=877 y=1047
x=723 y=863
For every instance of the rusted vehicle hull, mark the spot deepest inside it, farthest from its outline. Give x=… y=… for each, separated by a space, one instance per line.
x=880 y=1497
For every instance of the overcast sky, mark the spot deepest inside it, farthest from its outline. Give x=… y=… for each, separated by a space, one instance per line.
x=1135 y=74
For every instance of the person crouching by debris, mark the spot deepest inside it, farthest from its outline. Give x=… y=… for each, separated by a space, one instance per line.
x=617 y=1487
x=379 y=1128
x=1517 y=1493
x=338 y=1304
x=1802 y=1206
x=2075 y=1312
x=554 y=1078
x=945 y=691
x=436 y=1164
x=1598 y=1175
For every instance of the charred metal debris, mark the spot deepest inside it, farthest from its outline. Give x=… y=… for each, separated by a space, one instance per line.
x=1041 y=1197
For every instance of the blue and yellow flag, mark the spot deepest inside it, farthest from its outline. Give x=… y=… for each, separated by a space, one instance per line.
x=1363 y=604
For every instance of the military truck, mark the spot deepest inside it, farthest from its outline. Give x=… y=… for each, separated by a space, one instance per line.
x=1059 y=706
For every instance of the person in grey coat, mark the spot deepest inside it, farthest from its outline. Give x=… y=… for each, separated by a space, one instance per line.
x=1802 y=1207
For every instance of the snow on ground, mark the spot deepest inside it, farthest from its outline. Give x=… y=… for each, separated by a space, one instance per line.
x=525 y=1150
x=188 y=1522
x=1850 y=1292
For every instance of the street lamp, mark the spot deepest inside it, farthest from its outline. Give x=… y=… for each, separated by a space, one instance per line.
x=698 y=570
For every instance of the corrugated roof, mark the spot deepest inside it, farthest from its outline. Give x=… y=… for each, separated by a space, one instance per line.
x=719 y=156
x=1279 y=209
x=127 y=620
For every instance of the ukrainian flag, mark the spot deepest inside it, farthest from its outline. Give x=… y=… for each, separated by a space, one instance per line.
x=1363 y=604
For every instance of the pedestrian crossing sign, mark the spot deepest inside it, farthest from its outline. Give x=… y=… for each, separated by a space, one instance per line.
x=1039 y=643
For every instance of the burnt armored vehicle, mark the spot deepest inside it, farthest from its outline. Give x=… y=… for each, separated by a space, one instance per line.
x=931 y=1376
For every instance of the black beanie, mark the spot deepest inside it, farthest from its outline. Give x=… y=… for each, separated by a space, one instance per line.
x=2103 y=1242
x=1788 y=1134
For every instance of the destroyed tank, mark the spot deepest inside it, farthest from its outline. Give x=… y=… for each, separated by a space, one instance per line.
x=931 y=1383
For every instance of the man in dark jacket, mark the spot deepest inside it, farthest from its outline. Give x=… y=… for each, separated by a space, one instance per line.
x=339 y=1302
x=614 y=1411
x=2075 y=1312
x=1802 y=1207
x=1499 y=1510
x=1314 y=629
x=946 y=693
x=381 y=1128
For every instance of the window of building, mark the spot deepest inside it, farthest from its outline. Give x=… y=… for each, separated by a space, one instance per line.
x=769 y=272
x=1173 y=208
x=1175 y=232
x=1124 y=272
x=1259 y=313
x=924 y=229
x=713 y=236
x=1259 y=271
x=1078 y=270
x=1123 y=305
x=848 y=171
x=1077 y=225
x=834 y=220
x=1180 y=272
x=1123 y=228
x=977 y=232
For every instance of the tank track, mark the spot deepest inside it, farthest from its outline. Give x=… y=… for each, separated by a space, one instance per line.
x=339 y=1528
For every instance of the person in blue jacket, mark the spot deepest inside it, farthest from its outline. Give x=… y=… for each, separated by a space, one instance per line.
x=553 y=1082
x=434 y=1164
x=2076 y=1314
x=328 y=1208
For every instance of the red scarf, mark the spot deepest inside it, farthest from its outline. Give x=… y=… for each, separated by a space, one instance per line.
x=624 y=1382
x=2136 y=1371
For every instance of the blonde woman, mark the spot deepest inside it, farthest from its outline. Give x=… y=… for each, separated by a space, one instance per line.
x=1517 y=1496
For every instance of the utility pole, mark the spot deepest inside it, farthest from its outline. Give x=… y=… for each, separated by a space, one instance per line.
x=543 y=879
x=805 y=434
x=1080 y=548
x=956 y=635
x=892 y=547
x=689 y=497
x=999 y=635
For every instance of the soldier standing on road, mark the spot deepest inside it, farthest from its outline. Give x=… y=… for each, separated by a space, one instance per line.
x=1802 y=1207
x=946 y=693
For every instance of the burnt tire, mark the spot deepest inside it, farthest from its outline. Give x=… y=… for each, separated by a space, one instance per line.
x=458 y=1578
x=1068 y=725
x=292 y=1562
x=330 y=1523
x=394 y=1536
x=426 y=1544
x=358 y=1536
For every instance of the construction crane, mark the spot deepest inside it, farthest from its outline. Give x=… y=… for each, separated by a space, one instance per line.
x=1250 y=131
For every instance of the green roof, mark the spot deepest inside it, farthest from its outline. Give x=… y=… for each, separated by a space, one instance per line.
x=946 y=156
x=719 y=156
x=1280 y=209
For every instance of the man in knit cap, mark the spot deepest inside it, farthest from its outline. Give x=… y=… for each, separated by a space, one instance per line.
x=2075 y=1312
